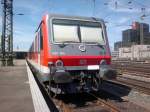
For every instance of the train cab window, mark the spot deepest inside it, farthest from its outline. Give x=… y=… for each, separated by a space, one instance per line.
x=65 y=33
x=41 y=39
x=92 y=35
x=77 y=31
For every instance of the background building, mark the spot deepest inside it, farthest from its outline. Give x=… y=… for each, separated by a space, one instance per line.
x=115 y=55
x=136 y=52
x=125 y=53
x=130 y=36
x=138 y=35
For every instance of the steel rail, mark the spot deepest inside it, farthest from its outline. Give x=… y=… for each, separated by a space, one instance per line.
x=133 y=83
x=135 y=73
x=105 y=103
x=63 y=107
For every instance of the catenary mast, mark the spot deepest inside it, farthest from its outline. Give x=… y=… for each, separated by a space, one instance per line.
x=7 y=33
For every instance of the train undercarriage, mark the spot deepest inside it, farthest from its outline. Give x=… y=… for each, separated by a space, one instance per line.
x=62 y=81
x=76 y=81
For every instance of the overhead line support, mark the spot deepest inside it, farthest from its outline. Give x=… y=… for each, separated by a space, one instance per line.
x=7 y=33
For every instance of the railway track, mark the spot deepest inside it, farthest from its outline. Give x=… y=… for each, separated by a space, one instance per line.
x=132 y=68
x=106 y=103
x=86 y=102
x=135 y=69
x=134 y=73
x=145 y=65
x=93 y=104
x=141 y=86
x=132 y=62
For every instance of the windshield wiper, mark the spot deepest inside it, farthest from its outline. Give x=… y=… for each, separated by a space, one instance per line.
x=69 y=42
x=98 y=44
x=63 y=44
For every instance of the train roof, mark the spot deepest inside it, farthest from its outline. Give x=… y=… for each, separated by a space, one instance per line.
x=75 y=17
x=50 y=16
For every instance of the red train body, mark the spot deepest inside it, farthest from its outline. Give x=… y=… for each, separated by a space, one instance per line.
x=71 y=53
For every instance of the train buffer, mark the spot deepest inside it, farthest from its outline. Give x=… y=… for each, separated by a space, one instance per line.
x=19 y=91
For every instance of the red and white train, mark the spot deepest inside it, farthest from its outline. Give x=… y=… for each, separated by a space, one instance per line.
x=71 y=54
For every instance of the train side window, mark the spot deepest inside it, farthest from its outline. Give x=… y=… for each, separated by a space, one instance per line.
x=36 y=43
x=39 y=42
x=41 y=39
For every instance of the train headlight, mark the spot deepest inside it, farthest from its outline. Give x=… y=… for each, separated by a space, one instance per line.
x=103 y=62
x=59 y=63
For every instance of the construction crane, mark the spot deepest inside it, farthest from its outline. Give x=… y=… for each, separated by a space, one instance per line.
x=7 y=33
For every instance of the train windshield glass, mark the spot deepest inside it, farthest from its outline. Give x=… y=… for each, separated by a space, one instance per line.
x=91 y=34
x=63 y=33
x=77 y=31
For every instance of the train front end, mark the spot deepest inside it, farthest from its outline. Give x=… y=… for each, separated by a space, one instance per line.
x=79 y=55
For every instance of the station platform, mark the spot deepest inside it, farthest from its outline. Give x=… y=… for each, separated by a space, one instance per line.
x=18 y=89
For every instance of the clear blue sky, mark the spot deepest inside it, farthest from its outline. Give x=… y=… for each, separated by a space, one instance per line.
x=119 y=16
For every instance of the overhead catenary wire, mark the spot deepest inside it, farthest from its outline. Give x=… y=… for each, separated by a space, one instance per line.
x=141 y=8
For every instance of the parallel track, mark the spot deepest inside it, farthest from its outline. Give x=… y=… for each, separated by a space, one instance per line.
x=135 y=73
x=132 y=68
x=142 y=70
x=99 y=104
x=141 y=86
